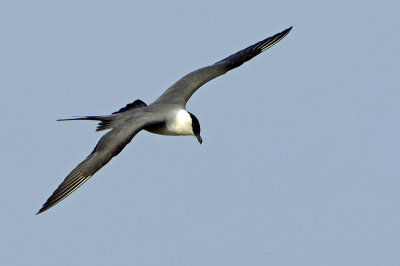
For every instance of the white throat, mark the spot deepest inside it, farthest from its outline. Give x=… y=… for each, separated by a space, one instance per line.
x=181 y=124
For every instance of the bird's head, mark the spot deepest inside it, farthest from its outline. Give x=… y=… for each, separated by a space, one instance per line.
x=196 y=127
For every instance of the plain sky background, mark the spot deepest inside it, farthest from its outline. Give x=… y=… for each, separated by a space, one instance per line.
x=300 y=159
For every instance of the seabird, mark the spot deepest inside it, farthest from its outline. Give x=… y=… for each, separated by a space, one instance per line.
x=166 y=116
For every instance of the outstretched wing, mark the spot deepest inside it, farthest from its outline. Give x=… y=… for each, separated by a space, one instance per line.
x=182 y=90
x=110 y=145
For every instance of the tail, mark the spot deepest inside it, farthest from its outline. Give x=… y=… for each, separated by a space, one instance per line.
x=106 y=122
x=109 y=121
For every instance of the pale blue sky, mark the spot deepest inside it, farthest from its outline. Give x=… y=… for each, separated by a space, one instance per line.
x=300 y=157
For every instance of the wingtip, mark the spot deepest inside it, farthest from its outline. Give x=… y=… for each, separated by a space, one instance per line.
x=288 y=29
x=285 y=32
x=41 y=210
x=44 y=208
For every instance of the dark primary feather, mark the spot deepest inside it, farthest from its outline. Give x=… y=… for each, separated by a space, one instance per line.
x=109 y=146
x=248 y=53
x=182 y=90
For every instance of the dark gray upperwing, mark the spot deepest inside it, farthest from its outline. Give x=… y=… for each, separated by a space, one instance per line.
x=110 y=145
x=183 y=89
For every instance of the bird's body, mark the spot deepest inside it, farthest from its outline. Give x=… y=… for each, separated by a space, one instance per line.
x=179 y=123
x=165 y=116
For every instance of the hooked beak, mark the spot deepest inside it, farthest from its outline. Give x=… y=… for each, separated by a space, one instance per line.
x=199 y=139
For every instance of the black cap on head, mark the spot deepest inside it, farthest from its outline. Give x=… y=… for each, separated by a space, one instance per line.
x=196 y=127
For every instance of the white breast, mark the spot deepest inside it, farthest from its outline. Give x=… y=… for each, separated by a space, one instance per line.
x=182 y=124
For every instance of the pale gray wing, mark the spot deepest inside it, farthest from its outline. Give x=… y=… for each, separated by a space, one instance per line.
x=110 y=145
x=182 y=90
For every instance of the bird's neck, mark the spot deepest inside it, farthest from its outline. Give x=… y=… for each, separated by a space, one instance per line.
x=181 y=124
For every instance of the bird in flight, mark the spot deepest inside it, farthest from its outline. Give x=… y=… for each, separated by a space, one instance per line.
x=166 y=116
